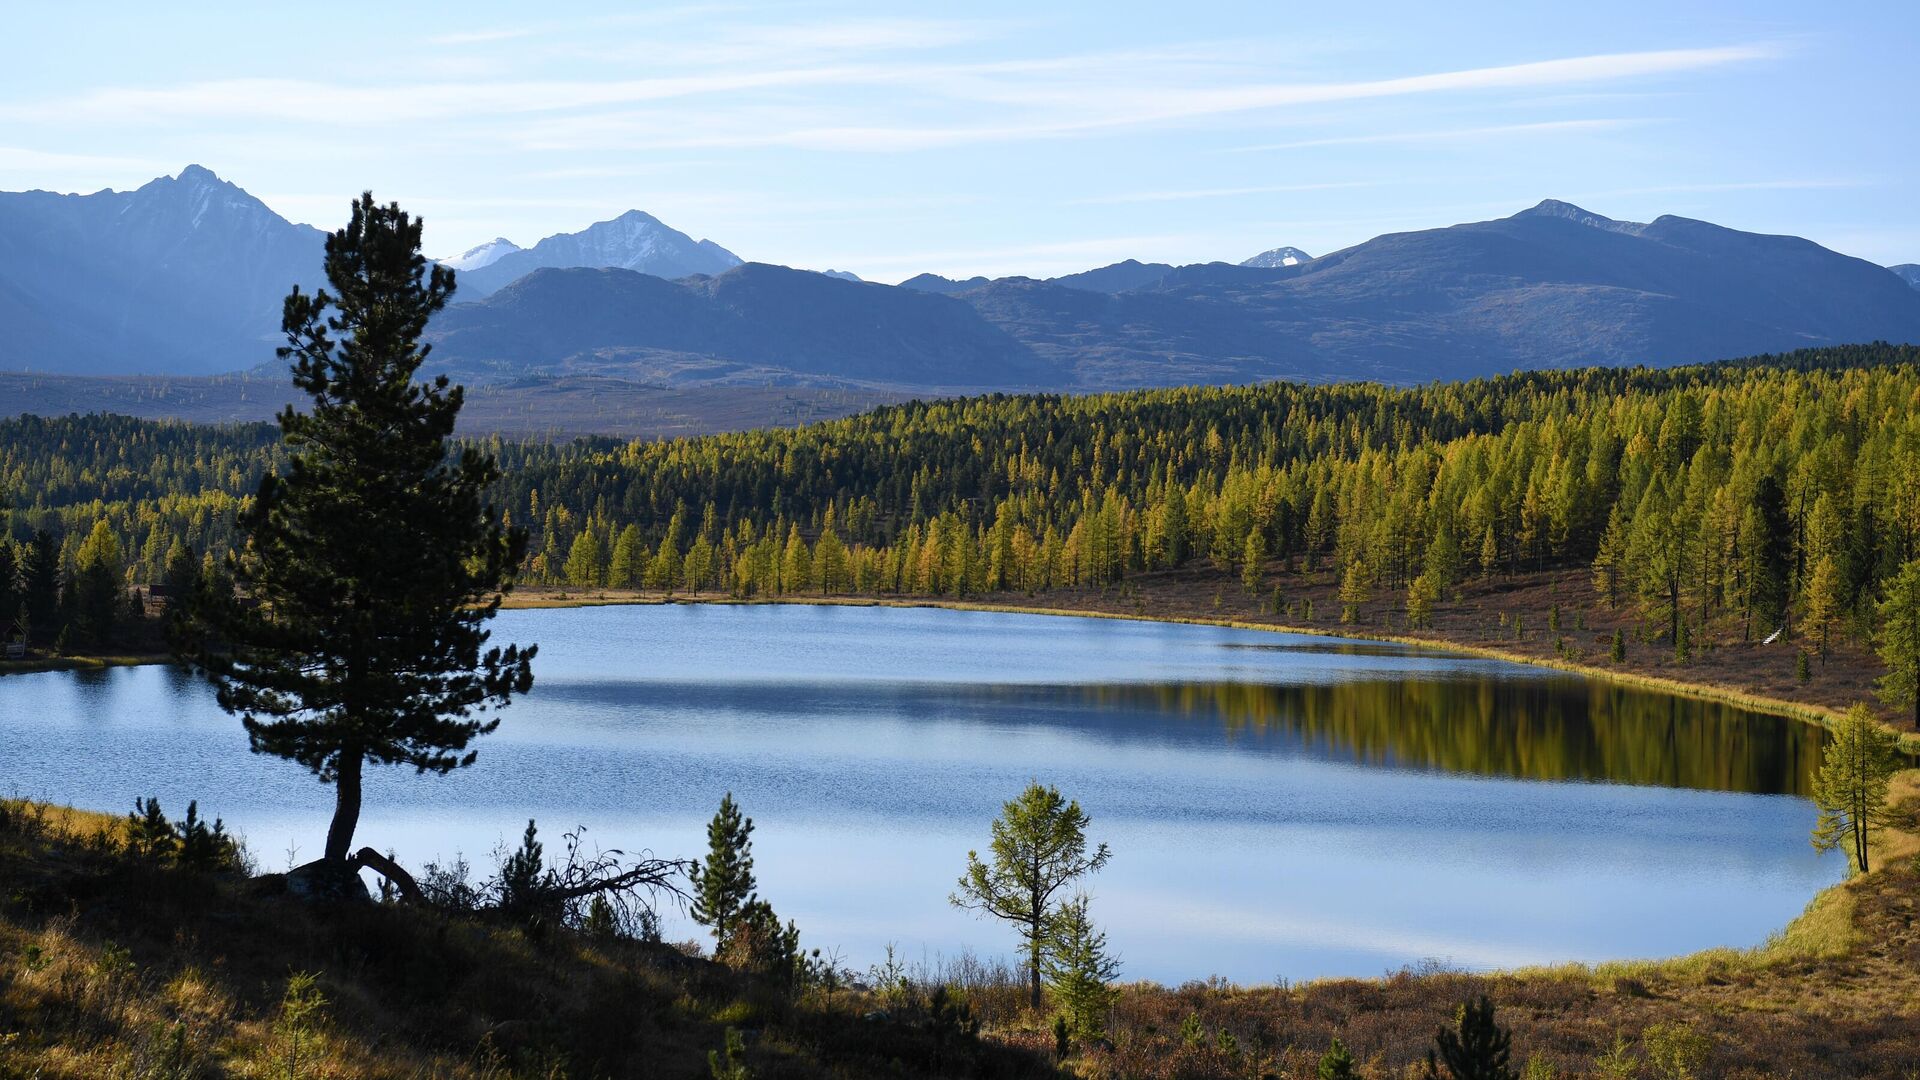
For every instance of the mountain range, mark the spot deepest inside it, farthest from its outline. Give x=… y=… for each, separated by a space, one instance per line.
x=184 y=276
x=633 y=241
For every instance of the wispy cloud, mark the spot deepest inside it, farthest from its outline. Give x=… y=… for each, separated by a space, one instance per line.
x=1490 y=131
x=920 y=105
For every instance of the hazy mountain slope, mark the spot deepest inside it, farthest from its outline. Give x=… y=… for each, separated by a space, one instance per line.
x=753 y=324
x=1553 y=286
x=1118 y=277
x=1909 y=272
x=633 y=241
x=945 y=286
x=185 y=275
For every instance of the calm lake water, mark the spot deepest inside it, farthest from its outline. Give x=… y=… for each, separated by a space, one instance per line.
x=1278 y=805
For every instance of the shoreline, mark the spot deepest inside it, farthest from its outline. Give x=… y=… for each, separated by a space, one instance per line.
x=1818 y=715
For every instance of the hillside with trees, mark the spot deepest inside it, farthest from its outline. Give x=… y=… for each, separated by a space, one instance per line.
x=1720 y=503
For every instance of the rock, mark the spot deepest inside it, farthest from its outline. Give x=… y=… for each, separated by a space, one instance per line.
x=328 y=881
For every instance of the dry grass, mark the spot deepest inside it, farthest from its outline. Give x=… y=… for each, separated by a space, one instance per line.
x=112 y=966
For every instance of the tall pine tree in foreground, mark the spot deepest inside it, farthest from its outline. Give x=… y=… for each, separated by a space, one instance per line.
x=373 y=565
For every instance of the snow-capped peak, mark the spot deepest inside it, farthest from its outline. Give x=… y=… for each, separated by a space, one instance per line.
x=1280 y=256
x=481 y=255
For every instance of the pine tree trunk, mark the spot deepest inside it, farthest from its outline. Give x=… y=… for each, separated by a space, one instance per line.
x=346 y=805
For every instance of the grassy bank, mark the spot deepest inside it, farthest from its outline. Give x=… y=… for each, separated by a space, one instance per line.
x=115 y=964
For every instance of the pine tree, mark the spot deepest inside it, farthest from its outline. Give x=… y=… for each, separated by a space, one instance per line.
x=723 y=886
x=1039 y=846
x=1078 y=969
x=13 y=593
x=373 y=563
x=40 y=582
x=1479 y=1050
x=1336 y=1063
x=1851 y=787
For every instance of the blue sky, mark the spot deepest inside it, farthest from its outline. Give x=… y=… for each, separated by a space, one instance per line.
x=991 y=138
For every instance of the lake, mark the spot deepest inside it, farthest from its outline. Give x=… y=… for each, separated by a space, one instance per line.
x=1279 y=806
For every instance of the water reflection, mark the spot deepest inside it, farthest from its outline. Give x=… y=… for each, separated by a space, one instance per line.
x=1531 y=729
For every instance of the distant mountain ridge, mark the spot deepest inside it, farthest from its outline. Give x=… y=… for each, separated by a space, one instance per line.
x=1909 y=272
x=635 y=240
x=755 y=324
x=186 y=275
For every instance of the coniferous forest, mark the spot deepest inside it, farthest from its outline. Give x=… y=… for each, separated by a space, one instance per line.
x=1776 y=494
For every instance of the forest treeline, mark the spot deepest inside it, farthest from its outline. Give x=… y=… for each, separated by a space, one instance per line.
x=1779 y=493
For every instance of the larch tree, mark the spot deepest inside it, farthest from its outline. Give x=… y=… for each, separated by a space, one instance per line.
x=1899 y=641
x=584 y=560
x=1851 y=787
x=373 y=565
x=629 y=556
x=1039 y=847
x=1356 y=589
x=1823 y=604
x=95 y=596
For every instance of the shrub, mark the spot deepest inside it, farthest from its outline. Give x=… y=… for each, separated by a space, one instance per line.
x=1479 y=1050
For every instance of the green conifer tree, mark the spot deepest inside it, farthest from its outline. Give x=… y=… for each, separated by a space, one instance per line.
x=374 y=562
x=1479 y=1050
x=1336 y=1063
x=1079 y=971
x=723 y=886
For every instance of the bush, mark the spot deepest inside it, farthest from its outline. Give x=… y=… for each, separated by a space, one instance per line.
x=1479 y=1050
x=191 y=843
